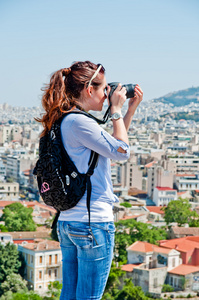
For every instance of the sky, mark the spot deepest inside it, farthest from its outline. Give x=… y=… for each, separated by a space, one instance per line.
x=154 y=43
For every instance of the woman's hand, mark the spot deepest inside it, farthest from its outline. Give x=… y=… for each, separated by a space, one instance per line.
x=135 y=101
x=118 y=98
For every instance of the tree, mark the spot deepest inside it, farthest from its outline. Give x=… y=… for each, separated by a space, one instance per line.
x=18 y=218
x=130 y=231
x=130 y=292
x=126 y=204
x=178 y=211
x=9 y=261
x=14 y=283
x=3 y=228
x=166 y=288
x=54 y=291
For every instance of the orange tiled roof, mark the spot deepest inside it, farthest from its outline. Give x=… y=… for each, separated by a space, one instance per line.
x=129 y=267
x=149 y=165
x=147 y=247
x=164 y=188
x=186 y=230
x=184 y=270
x=4 y=203
x=184 y=244
x=42 y=245
x=155 y=209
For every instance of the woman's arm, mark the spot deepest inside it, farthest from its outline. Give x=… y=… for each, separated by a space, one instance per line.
x=117 y=100
x=133 y=104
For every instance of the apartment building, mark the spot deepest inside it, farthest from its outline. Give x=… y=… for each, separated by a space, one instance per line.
x=9 y=133
x=16 y=164
x=188 y=164
x=187 y=182
x=163 y=195
x=43 y=263
x=9 y=191
x=158 y=176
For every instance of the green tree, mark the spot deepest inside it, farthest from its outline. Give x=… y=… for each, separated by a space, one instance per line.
x=178 y=211
x=14 y=283
x=130 y=292
x=126 y=204
x=9 y=261
x=54 y=291
x=114 y=280
x=18 y=218
x=130 y=231
x=3 y=228
x=167 y=288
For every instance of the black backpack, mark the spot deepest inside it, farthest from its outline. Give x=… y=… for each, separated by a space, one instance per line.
x=60 y=183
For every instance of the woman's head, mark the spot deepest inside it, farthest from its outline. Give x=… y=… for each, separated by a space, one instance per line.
x=70 y=87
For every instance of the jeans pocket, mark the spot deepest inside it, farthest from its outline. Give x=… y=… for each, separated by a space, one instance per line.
x=81 y=238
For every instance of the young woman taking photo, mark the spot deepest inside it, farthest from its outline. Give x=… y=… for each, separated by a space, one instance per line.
x=87 y=257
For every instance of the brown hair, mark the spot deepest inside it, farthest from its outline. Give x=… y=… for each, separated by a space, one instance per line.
x=64 y=90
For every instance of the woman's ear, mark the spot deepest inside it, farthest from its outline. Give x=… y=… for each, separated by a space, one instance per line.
x=90 y=90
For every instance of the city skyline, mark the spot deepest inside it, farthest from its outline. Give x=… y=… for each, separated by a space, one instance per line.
x=155 y=44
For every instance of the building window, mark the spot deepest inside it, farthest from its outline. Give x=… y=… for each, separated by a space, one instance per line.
x=171 y=281
x=155 y=282
x=31 y=259
x=56 y=258
x=55 y=273
x=31 y=274
x=50 y=259
x=40 y=259
x=173 y=262
x=49 y=273
x=40 y=274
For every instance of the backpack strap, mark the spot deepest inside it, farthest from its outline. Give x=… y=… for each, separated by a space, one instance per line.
x=92 y=165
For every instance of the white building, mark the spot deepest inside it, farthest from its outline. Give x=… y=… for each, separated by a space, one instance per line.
x=187 y=182
x=9 y=191
x=43 y=263
x=163 y=195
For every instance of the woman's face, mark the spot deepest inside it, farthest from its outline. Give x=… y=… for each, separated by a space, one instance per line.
x=98 y=96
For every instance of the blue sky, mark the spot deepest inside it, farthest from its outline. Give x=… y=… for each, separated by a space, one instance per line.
x=151 y=42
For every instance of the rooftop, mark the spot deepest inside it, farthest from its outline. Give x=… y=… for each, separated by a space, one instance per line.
x=164 y=188
x=42 y=245
x=184 y=270
x=129 y=267
x=147 y=247
x=155 y=209
x=184 y=244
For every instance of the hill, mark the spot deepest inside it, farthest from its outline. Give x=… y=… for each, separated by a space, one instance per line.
x=181 y=98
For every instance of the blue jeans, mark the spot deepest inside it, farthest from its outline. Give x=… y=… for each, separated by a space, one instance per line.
x=86 y=258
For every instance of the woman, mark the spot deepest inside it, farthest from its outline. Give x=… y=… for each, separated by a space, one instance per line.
x=87 y=258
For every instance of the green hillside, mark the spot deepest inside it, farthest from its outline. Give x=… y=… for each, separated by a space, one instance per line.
x=181 y=98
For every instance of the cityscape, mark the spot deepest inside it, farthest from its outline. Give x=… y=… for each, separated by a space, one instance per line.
x=156 y=251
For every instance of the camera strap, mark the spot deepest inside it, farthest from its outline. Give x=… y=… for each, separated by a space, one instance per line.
x=106 y=116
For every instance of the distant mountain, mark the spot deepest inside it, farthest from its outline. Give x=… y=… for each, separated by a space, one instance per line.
x=181 y=98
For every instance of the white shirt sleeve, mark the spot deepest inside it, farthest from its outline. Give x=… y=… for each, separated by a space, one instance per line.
x=89 y=134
